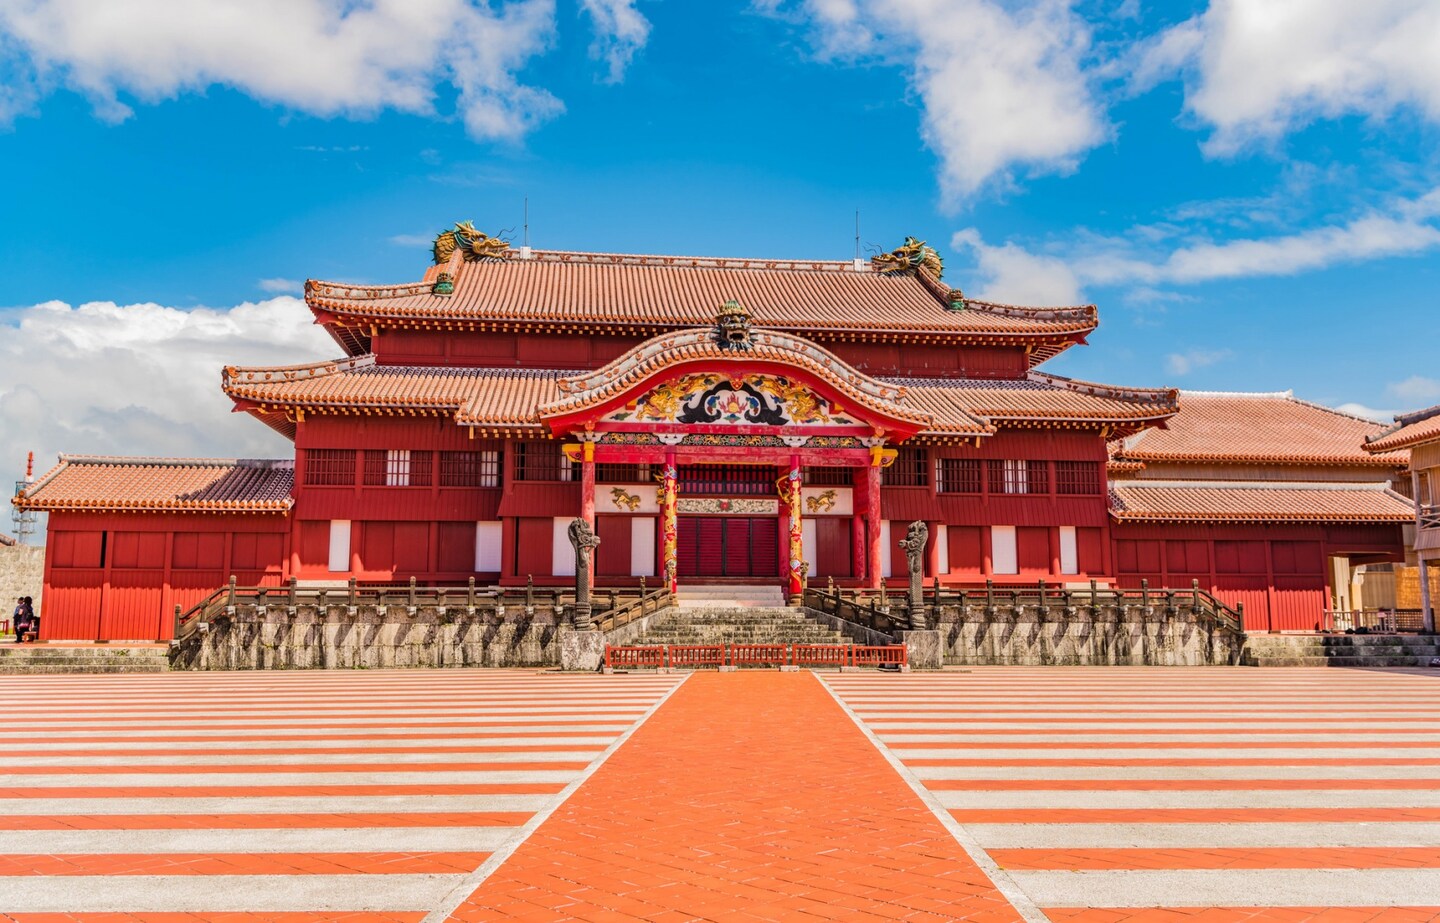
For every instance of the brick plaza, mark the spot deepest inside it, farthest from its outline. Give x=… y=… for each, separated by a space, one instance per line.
x=994 y=794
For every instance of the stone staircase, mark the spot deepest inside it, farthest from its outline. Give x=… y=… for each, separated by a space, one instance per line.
x=738 y=625
x=1340 y=650
x=730 y=596
x=97 y=658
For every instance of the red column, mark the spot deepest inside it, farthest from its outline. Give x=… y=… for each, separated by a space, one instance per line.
x=872 y=524
x=669 y=525
x=932 y=551
x=796 y=567
x=857 y=542
x=587 y=483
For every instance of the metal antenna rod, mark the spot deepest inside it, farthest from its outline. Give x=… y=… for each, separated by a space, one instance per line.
x=527 y=221
x=857 y=233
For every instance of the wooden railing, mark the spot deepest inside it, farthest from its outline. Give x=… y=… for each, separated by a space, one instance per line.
x=886 y=610
x=1429 y=517
x=612 y=607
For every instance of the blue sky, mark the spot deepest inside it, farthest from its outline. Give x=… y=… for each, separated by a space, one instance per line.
x=1246 y=188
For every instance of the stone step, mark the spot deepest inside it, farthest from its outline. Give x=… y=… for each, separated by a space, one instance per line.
x=23 y=659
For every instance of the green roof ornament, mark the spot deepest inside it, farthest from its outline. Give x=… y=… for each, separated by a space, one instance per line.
x=911 y=256
x=475 y=245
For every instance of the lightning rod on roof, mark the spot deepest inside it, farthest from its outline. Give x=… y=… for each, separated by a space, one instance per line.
x=857 y=233
x=525 y=240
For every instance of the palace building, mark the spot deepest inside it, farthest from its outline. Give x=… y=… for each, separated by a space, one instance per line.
x=770 y=421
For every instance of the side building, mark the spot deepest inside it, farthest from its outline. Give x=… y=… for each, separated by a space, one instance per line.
x=1419 y=434
x=715 y=419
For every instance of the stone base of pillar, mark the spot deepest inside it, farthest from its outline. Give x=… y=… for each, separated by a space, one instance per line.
x=581 y=650
x=923 y=649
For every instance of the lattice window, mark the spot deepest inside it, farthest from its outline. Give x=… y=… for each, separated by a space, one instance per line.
x=727 y=480
x=828 y=477
x=1018 y=476
x=911 y=469
x=957 y=475
x=374 y=468
x=1077 y=477
x=469 y=469
x=330 y=467
x=622 y=474
x=543 y=461
x=397 y=468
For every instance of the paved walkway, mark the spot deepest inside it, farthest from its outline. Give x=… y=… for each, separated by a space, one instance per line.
x=1127 y=795
x=1082 y=795
x=748 y=797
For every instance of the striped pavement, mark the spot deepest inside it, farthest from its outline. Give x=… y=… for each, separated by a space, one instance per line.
x=356 y=797
x=1179 y=795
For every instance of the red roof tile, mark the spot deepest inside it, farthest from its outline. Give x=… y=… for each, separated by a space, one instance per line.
x=1039 y=398
x=1256 y=501
x=1410 y=429
x=1256 y=428
x=807 y=297
x=83 y=482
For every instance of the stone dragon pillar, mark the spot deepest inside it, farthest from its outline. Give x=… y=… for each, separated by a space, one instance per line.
x=914 y=542
x=583 y=537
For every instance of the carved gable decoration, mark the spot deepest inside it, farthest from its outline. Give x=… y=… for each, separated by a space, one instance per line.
x=755 y=400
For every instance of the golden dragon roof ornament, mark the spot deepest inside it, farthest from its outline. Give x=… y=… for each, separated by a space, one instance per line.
x=476 y=245
x=911 y=255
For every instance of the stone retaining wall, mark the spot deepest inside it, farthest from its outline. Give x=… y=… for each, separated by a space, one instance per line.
x=1104 y=635
x=22 y=573
x=373 y=637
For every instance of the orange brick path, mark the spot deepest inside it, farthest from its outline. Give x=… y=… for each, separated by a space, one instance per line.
x=748 y=797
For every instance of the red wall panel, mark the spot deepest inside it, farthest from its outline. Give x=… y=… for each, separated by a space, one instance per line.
x=1033 y=550
x=314 y=550
x=967 y=550
x=456 y=551
x=70 y=609
x=134 y=606
x=1090 y=550
x=612 y=558
x=833 y=555
x=533 y=543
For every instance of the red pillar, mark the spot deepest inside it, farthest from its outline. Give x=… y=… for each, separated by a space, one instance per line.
x=932 y=550
x=669 y=522
x=857 y=544
x=796 y=556
x=587 y=483
x=872 y=525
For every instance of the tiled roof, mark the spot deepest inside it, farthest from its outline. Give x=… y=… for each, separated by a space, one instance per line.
x=809 y=297
x=1410 y=429
x=1039 y=398
x=88 y=482
x=482 y=396
x=1256 y=501
x=1271 y=428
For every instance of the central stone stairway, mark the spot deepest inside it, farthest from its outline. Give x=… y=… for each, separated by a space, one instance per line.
x=738 y=625
x=1340 y=650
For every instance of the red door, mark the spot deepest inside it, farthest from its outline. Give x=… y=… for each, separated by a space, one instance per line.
x=728 y=546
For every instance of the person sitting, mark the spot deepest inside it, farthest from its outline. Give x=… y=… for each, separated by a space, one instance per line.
x=18 y=620
x=27 y=626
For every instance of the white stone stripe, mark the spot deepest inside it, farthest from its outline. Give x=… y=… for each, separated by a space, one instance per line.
x=1234 y=888
x=1101 y=774
x=223 y=893
x=549 y=712
x=419 y=743
x=18 y=783
x=519 y=733
x=243 y=725
x=285 y=759
x=1238 y=737
x=284 y=804
x=1314 y=799
x=1204 y=836
x=1235 y=725
x=1139 y=752
x=266 y=840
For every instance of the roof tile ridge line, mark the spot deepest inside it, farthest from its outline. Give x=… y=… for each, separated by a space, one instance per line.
x=1337 y=412
x=323 y=288
x=601 y=258
x=158 y=461
x=317 y=369
x=1088 y=312
x=1117 y=392
x=1259 y=395
x=28 y=491
x=1403 y=420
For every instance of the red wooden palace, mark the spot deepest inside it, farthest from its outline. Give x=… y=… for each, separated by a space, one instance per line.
x=718 y=420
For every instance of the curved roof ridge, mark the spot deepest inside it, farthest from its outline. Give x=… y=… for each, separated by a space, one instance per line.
x=176 y=461
x=1415 y=416
x=1118 y=392
x=1395 y=437
x=1287 y=394
x=691 y=343
x=296 y=372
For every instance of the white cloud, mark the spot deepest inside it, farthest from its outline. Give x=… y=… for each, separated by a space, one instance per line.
x=1417 y=389
x=315 y=56
x=413 y=240
x=1002 y=85
x=1144 y=258
x=1187 y=362
x=279 y=286
x=620 y=32
x=142 y=379
x=1256 y=69
x=1369 y=413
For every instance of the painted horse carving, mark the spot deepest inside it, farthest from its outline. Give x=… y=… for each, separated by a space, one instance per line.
x=821 y=503
x=624 y=500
